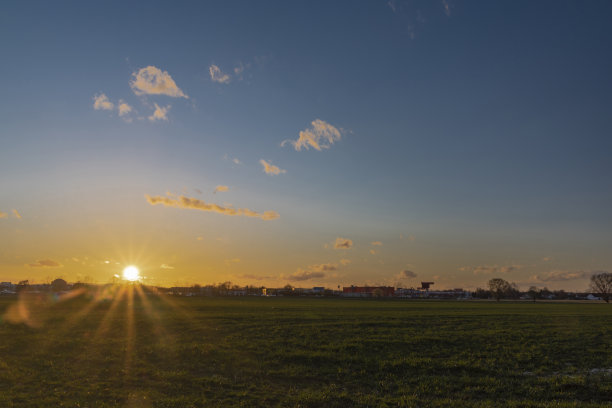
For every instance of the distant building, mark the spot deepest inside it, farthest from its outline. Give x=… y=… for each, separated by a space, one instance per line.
x=426 y=285
x=368 y=291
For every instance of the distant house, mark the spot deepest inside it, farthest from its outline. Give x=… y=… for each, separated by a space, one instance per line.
x=318 y=290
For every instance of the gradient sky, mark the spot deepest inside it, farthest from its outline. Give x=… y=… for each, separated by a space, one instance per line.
x=457 y=142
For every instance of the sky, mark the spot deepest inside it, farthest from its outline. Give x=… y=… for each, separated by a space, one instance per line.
x=310 y=143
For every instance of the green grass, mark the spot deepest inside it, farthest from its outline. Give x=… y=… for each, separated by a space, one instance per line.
x=299 y=352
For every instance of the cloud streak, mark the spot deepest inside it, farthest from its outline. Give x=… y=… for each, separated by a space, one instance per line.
x=271 y=169
x=153 y=81
x=45 y=263
x=560 y=275
x=220 y=189
x=195 y=204
x=302 y=275
x=487 y=270
x=16 y=214
x=321 y=135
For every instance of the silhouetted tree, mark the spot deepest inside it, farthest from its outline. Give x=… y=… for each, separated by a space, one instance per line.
x=480 y=293
x=499 y=288
x=545 y=293
x=59 y=285
x=533 y=293
x=601 y=284
x=23 y=285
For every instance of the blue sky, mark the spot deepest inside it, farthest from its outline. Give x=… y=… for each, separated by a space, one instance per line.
x=475 y=141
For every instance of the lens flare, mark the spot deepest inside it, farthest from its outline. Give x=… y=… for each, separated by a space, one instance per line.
x=131 y=273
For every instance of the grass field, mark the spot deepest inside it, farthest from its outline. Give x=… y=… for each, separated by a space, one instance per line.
x=145 y=351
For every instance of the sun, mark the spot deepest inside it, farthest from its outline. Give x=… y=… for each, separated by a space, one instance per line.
x=131 y=273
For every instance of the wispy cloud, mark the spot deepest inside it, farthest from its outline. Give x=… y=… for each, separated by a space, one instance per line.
x=166 y=266
x=153 y=81
x=101 y=102
x=16 y=213
x=561 y=275
x=377 y=243
x=345 y=262
x=216 y=75
x=45 y=263
x=327 y=267
x=406 y=274
x=343 y=243
x=447 y=7
x=321 y=135
x=302 y=275
x=220 y=189
x=160 y=113
x=547 y=259
x=490 y=269
x=373 y=251
x=233 y=159
x=269 y=168
x=195 y=204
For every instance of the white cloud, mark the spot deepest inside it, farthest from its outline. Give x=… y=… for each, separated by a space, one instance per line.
x=216 y=75
x=101 y=102
x=321 y=135
x=124 y=108
x=269 y=168
x=160 y=113
x=153 y=81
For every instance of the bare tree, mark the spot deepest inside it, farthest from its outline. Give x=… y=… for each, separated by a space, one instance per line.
x=499 y=288
x=601 y=284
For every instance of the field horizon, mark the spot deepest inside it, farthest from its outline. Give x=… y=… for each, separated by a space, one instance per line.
x=130 y=349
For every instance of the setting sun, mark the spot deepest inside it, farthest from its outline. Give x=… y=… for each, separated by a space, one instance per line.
x=131 y=273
